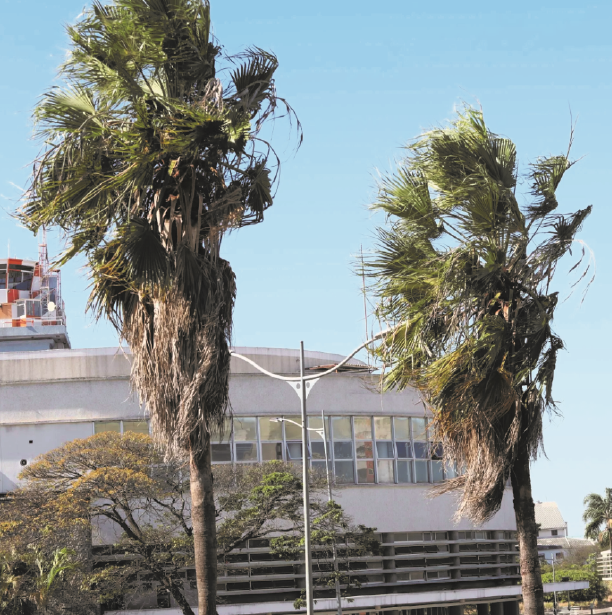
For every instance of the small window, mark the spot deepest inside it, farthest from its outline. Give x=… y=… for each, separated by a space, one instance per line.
x=421 y=450
x=420 y=472
x=245 y=428
x=365 y=472
x=419 y=429
x=102 y=426
x=402 y=428
x=318 y=449
x=554 y=532
x=270 y=429
x=343 y=450
x=385 y=471
x=363 y=427
x=221 y=453
x=344 y=472
x=384 y=450
x=293 y=431
x=246 y=451
x=271 y=451
x=342 y=428
x=404 y=473
x=382 y=426
x=404 y=450
x=364 y=450
x=136 y=427
x=294 y=450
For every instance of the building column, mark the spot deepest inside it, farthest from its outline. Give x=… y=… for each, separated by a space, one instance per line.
x=499 y=535
x=482 y=608
x=496 y=608
x=511 y=608
x=389 y=564
x=456 y=609
x=455 y=574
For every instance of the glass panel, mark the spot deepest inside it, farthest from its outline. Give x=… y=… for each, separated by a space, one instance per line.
x=404 y=450
x=342 y=428
x=271 y=451
x=107 y=426
x=224 y=434
x=437 y=471
x=318 y=450
x=343 y=450
x=344 y=472
x=3 y=279
x=364 y=450
x=246 y=451
x=315 y=422
x=402 y=428
x=421 y=450
x=293 y=431
x=320 y=467
x=385 y=471
x=404 y=473
x=365 y=471
x=437 y=451
x=294 y=450
x=420 y=472
x=450 y=470
x=136 y=426
x=419 y=429
x=221 y=452
x=270 y=429
x=245 y=428
x=385 y=450
x=363 y=427
x=382 y=427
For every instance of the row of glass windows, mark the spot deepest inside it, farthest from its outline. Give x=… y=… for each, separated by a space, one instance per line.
x=121 y=426
x=360 y=449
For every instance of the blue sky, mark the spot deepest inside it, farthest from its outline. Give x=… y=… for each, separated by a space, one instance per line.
x=364 y=78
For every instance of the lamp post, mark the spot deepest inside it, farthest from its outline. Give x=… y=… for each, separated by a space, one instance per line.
x=300 y=385
x=323 y=433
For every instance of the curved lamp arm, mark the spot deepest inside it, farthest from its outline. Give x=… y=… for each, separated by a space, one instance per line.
x=321 y=374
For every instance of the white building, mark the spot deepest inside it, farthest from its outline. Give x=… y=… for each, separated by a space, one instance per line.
x=380 y=455
x=554 y=544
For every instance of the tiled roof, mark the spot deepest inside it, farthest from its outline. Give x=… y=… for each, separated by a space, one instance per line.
x=548 y=515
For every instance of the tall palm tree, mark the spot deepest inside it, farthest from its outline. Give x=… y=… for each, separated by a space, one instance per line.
x=598 y=517
x=463 y=274
x=152 y=154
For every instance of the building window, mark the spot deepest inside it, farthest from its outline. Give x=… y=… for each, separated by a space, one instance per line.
x=121 y=426
x=554 y=532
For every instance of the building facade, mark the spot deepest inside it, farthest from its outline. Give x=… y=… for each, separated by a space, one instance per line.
x=380 y=451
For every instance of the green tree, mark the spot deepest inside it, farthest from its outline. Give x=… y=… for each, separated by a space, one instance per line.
x=588 y=572
x=463 y=274
x=135 y=502
x=152 y=153
x=598 y=518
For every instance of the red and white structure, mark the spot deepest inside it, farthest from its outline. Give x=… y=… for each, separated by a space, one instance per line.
x=30 y=292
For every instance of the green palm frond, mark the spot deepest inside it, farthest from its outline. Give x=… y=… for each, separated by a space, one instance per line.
x=465 y=277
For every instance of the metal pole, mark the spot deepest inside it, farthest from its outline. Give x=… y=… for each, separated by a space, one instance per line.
x=307 y=547
x=330 y=498
x=554 y=593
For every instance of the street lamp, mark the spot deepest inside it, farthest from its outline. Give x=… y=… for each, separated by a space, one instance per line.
x=323 y=434
x=302 y=385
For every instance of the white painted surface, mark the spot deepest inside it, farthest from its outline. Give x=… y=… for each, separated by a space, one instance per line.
x=381 y=602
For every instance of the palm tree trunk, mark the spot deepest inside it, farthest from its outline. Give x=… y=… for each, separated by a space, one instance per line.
x=203 y=520
x=524 y=509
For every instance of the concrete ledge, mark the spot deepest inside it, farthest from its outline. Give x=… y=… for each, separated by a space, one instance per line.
x=381 y=602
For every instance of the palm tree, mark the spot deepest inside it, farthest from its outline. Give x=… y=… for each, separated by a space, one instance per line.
x=598 y=514
x=462 y=274
x=153 y=152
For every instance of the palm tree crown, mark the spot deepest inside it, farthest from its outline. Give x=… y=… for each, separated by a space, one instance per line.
x=463 y=275
x=598 y=517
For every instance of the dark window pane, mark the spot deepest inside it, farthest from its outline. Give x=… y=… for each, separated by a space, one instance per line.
x=404 y=450
x=384 y=450
x=343 y=450
x=221 y=452
x=344 y=472
x=421 y=450
x=246 y=451
x=437 y=451
x=318 y=450
x=3 y=279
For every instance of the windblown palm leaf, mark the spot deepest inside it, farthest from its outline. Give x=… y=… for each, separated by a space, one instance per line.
x=463 y=273
x=598 y=518
x=149 y=160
